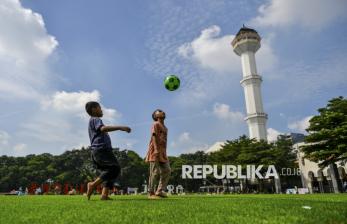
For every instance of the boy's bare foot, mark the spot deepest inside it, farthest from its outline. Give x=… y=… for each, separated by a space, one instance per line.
x=105 y=198
x=152 y=196
x=161 y=194
x=89 y=189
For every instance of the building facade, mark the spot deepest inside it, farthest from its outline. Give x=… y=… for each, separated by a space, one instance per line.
x=316 y=179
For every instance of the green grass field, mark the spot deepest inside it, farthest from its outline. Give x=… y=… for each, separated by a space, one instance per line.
x=325 y=208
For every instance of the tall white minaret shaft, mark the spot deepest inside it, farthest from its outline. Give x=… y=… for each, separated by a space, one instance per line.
x=245 y=44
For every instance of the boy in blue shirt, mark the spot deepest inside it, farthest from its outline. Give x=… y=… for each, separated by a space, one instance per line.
x=101 y=150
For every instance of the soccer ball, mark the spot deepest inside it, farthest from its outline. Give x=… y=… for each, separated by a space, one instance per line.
x=172 y=82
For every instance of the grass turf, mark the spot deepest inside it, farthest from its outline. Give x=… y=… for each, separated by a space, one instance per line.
x=324 y=208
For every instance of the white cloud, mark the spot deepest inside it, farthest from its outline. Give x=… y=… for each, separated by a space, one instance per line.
x=25 y=47
x=185 y=136
x=183 y=139
x=272 y=134
x=314 y=14
x=24 y=37
x=20 y=149
x=62 y=120
x=26 y=50
x=71 y=101
x=213 y=68
x=4 y=137
x=186 y=144
x=212 y=51
x=300 y=125
x=74 y=103
x=222 y=111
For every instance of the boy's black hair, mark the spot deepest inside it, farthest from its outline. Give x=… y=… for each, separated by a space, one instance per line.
x=90 y=105
x=153 y=114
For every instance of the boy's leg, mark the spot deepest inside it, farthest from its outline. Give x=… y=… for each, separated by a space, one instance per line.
x=153 y=177
x=97 y=181
x=109 y=175
x=107 y=163
x=165 y=172
x=92 y=185
x=105 y=193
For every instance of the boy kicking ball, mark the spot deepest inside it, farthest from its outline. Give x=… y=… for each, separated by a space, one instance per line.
x=159 y=166
x=101 y=150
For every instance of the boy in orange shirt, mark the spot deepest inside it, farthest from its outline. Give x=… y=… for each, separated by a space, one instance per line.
x=159 y=166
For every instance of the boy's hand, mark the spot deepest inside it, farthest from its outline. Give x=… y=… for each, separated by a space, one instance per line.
x=127 y=129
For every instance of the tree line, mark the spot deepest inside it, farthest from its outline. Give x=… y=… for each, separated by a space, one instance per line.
x=75 y=167
x=327 y=140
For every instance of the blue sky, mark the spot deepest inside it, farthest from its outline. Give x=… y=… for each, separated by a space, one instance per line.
x=56 y=55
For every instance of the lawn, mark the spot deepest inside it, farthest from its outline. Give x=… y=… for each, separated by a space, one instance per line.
x=318 y=208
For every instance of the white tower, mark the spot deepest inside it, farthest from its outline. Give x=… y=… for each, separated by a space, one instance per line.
x=245 y=44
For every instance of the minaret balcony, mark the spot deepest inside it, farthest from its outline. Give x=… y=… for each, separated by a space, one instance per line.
x=251 y=79
x=256 y=115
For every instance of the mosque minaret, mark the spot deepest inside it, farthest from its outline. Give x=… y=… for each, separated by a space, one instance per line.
x=245 y=44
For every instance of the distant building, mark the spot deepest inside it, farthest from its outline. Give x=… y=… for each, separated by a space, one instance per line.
x=295 y=137
x=316 y=179
x=215 y=147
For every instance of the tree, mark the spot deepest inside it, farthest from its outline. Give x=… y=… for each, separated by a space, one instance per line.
x=72 y=167
x=197 y=158
x=134 y=170
x=327 y=139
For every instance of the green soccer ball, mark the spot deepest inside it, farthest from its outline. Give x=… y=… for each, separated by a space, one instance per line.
x=172 y=82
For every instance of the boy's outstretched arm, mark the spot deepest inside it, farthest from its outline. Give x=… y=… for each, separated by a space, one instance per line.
x=110 y=128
